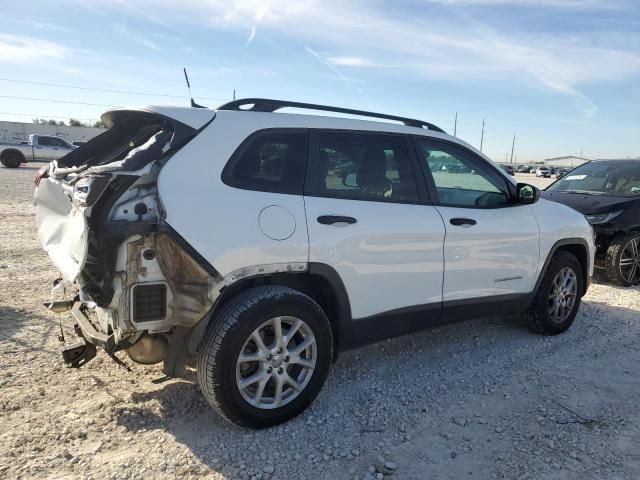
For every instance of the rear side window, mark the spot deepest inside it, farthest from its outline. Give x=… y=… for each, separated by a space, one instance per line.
x=270 y=161
x=362 y=166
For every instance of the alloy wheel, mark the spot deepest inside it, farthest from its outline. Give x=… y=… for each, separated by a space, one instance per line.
x=630 y=261
x=276 y=362
x=562 y=298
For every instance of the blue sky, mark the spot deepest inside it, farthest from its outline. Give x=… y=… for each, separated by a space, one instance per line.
x=563 y=75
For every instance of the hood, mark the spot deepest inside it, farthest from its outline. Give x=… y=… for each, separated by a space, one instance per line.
x=590 y=204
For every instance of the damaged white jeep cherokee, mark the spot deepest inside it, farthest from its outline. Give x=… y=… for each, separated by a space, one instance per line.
x=260 y=244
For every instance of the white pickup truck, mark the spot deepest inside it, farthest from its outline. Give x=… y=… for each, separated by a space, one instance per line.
x=39 y=148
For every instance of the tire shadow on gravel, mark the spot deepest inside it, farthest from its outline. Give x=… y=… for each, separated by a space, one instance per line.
x=429 y=367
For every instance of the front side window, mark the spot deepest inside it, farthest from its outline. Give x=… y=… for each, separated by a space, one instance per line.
x=461 y=179
x=362 y=166
x=618 y=178
x=270 y=161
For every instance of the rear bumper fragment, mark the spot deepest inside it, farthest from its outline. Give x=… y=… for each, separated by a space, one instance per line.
x=89 y=332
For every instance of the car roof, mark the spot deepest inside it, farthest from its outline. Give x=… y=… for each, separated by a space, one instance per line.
x=198 y=117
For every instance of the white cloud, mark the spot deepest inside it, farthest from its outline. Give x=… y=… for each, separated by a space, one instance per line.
x=450 y=45
x=536 y=3
x=350 y=61
x=23 y=49
x=326 y=62
x=251 y=36
x=147 y=42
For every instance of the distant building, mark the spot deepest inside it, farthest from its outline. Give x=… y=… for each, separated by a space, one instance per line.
x=568 y=161
x=16 y=132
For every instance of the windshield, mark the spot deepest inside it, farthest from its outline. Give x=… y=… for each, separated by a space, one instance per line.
x=619 y=178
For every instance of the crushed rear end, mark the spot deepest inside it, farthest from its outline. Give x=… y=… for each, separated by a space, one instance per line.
x=134 y=284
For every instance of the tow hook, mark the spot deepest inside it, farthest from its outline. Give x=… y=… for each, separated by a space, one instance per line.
x=77 y=354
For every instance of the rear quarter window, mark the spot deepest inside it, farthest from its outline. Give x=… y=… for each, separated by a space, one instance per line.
x=269 y=161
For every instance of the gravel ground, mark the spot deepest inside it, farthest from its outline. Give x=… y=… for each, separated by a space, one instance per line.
x=479 y=399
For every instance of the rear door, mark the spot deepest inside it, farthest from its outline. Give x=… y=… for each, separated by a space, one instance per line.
x=43 y=149
x=370 y=222
x=60 y=148
x=491 y=248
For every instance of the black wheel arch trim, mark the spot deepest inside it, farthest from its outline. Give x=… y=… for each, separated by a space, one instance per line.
x=350 y=333
x=556 y=246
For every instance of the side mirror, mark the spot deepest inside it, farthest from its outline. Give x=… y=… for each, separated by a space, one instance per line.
x=350 y=180
x=527 y=194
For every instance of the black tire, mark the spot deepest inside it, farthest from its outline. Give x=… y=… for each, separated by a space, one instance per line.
x=12 y=159
x=227 y=333
x=612 y=260
x=537 y=317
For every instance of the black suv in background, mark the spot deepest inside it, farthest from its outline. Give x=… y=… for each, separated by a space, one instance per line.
x=607 y=192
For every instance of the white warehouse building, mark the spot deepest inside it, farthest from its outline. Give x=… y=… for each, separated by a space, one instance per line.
x=568 y=161
x=16 y=132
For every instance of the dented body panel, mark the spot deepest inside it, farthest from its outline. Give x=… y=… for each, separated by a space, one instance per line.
x=62 y=227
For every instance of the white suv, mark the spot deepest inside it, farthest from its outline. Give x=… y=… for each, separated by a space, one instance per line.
x=260 y=244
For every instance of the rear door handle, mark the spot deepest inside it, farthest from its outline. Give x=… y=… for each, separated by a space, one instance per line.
x=331 y=219
x=458 y=222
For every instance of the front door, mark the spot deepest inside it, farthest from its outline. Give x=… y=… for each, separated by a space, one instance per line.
x=491 y=248
x=366 y=220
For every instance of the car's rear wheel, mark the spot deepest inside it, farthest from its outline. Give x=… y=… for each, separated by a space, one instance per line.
x=623 y=260
x=265 y=356
x=557 y=300
x=12 y=159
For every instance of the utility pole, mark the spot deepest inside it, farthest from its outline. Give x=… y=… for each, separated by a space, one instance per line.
x=455 y=125
x=234 y=93
x=513 y=144
x=482 y=136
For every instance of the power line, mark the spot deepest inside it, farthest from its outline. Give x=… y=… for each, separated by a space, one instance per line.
x=40 y=115
x=60 y=85
x=57 y=101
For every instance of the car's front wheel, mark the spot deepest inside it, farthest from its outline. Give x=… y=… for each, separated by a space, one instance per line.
x=623 y=260
x=557 y=300
x=265 y=356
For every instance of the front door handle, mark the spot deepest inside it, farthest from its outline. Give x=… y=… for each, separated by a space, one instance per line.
x=458 y=222
x=331 y=219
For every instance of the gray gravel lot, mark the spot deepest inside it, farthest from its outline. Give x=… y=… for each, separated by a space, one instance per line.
x=480 y=399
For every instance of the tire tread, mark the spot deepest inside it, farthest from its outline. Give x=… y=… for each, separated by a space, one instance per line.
x=220 y=327
x=534 y=318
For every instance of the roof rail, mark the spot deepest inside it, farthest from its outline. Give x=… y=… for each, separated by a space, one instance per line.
x=270 y=105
